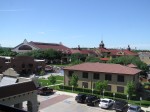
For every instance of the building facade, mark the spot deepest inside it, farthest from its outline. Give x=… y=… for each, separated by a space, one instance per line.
x=22 y=64
x=16 y=90
x=89 y=73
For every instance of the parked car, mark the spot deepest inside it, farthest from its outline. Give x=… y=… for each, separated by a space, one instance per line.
x=134 y=108
x=120 y=106
x=106 y=103
x=91 y=100
x=44 y=90
x=80 y=98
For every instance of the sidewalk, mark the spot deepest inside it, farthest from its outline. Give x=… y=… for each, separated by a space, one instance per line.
x=66 y=93
x=146 y=109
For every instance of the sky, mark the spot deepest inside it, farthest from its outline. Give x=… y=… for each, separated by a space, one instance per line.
x=118 y=23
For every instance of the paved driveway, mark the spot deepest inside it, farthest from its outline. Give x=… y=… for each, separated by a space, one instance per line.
x=65 y=103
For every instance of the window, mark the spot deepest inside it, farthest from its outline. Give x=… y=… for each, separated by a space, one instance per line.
x=108 y=77
x=23 y=65
x=96 y=76
x=70 y=73
x=120 y=89
x=85 y=75
x=108 y=88
x=85 y=84
x=120 y=78
x=30 y=65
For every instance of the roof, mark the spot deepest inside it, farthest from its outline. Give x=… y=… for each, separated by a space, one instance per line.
x=15 y=89
x=132 y=65
x=122 y=52
x=104 y=59
x=58 y=47
x=82 y=51
x=104 y=68
x=103 y=50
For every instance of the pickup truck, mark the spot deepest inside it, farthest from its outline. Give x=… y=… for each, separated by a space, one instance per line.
x=92 y=100
x=44 y=90
x=80 y=98
x=120 y=106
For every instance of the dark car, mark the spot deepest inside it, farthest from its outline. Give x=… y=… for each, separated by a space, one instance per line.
x=44 y=90
x=80 y=98
x=120 y=106
x=92 y=100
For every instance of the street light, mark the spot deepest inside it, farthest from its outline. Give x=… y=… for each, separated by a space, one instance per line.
x=92 y=91
x=103 y=92
x=114 y=95
x=127 y=97
x=72 y=88
x=140 y=100
x=83 y=88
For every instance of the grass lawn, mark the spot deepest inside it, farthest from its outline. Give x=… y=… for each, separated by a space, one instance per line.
x=46 y=82
x=59 y=78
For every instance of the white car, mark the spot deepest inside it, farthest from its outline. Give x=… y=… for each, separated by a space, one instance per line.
x=106 y=103
x=134 y=108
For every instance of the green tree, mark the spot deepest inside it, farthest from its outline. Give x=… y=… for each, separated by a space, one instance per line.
x=77 y=57
x=52 y=79
x=125 y=60
x=42 y=72
x=74 y=80
x=130 y=88
x=101 y=85
x=92 y=59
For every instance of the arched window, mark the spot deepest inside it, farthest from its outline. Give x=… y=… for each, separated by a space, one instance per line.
x=25 y=47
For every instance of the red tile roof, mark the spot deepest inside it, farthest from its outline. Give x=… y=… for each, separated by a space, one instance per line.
x=103 y=50
x=104 y=59
x=82 y=51
x=123 y=52
x=104 y=68
x=43 y=46
x=132 y=65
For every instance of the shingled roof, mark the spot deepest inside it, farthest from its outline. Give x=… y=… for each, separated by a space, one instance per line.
x=104 y=68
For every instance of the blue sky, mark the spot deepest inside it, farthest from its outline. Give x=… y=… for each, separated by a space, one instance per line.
x=118 y=23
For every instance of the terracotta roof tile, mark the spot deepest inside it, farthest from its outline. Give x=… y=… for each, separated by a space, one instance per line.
x=132 y=65
x=104 y=68
x=58 y=47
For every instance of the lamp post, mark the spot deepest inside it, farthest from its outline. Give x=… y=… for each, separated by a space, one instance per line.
x=83 y=88
x=103 y=92
x=72 y=88
x=127 y=97
x=92 y=91
x=140 y=100
x=114 y=95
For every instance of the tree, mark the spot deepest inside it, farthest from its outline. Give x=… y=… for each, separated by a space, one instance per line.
x=101 y=85
x=78 y=57
x=125 y=60
x=130 y=88
x=92 y=59
x=74 y=80
x=42 y=72
x=52 y=79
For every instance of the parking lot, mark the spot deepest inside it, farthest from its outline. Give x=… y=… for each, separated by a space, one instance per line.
x=65 y=103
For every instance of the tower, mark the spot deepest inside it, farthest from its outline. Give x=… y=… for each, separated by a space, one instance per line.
x=101 y=45
x=129 y=49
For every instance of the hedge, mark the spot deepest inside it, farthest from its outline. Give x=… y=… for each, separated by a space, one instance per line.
x=96 y=92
